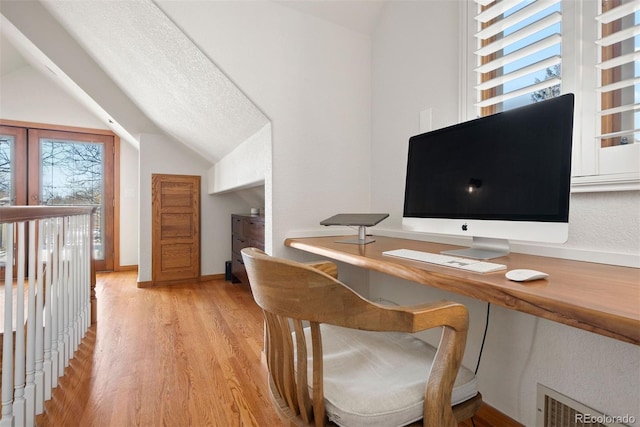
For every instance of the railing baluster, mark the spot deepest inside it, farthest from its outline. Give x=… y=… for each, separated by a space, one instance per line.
x=58 y=303
x=89 y=263
x=39 y=322
x=53 y=302
x=61 y=290
x=84 y=277
x=81 y=281
x=19 y=407
x=88 y=256
x=46 y=367
x=66 y=284
x=7 y=338
x=30 y=388
x=75 y=285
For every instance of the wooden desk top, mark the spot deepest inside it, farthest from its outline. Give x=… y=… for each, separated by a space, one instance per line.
x=600 y=298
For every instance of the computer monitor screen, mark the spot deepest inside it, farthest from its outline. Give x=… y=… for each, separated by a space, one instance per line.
x=505 y=177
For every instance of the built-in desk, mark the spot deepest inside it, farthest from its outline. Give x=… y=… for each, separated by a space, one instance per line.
x=600 y=298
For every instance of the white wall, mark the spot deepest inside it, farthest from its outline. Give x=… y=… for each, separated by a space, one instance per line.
x=129 y=202
x=246 y=166
x=312 y=79
x=28 y=95
x=160 y=154
x=415 y=67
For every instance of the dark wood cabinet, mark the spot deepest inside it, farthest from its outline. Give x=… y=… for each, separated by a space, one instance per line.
x=246 y=231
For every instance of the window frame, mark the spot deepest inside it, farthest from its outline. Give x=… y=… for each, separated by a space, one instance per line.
x=112 y=168
x=579 y=76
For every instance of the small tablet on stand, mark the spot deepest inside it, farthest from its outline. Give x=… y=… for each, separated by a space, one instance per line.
x=360 y=220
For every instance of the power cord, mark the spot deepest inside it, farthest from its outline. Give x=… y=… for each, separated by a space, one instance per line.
x=484 y=337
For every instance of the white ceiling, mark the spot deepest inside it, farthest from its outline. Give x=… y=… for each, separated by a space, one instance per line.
x=10 y=58
x=169 y=79
x=163 y=73
x=357 y=15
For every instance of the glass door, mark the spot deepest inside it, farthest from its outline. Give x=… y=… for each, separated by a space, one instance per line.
x=13 y=164
x=13 y=152
x=67 y=168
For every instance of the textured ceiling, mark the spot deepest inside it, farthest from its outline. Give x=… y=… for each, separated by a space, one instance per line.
x=181 y=90
x=168 y=78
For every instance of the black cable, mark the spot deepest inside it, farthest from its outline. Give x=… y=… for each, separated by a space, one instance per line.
x=484 y=337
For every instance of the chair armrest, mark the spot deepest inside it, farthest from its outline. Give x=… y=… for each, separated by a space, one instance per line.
x=327 y=267
x=444 y=313
x=454 y=318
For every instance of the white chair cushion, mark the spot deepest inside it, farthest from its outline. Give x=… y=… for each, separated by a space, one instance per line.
x=379 y=378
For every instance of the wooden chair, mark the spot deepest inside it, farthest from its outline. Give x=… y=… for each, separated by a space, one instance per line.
x=326 y=366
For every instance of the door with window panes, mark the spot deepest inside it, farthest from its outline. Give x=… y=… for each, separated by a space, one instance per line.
x=58 y=168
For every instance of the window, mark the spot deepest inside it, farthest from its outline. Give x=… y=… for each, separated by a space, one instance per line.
x=69 y=168
x=523 y=51
x=12 y=165
x=618 y=81
x=519 y=53
x=47 y=167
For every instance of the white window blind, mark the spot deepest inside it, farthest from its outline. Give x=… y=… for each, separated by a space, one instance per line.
x=619 y=72
x=519 y=52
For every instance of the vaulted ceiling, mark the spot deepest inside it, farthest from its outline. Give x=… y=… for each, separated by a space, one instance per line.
x=172 y=82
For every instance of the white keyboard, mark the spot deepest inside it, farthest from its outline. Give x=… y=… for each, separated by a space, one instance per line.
x=474 y=265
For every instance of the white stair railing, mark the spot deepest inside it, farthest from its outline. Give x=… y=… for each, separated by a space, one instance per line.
x=48 y=310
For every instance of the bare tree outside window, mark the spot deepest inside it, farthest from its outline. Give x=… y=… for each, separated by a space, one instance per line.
x=6 y=192
x=550 y=92
x=72 y=174
x=62 y=168
x=5 y=171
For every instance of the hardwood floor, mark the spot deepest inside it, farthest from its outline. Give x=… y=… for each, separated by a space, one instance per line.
x=182 y=355
x=185 y=355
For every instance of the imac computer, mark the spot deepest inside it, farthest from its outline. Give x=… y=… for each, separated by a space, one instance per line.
x=501 y=177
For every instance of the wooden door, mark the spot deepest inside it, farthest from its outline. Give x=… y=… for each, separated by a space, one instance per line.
x=176 y=228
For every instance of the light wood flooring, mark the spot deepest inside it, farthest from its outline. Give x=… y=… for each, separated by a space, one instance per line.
x=186 y=355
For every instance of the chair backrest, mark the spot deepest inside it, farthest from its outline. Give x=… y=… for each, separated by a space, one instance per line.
x=292 y=295
x=297 y=291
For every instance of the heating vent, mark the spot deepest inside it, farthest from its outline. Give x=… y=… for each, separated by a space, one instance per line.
x=557 y=410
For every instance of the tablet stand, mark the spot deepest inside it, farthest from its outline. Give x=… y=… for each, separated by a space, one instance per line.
x=362 y=221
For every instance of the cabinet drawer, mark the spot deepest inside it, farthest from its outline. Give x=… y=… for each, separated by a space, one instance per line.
x=238 y=244
x=237 y=224
x=253 y=229
x=246 y=231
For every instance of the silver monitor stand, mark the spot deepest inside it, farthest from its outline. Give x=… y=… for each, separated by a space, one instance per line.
x=362 y=237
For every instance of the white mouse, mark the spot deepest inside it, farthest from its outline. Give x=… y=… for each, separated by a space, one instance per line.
x=525 y=275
